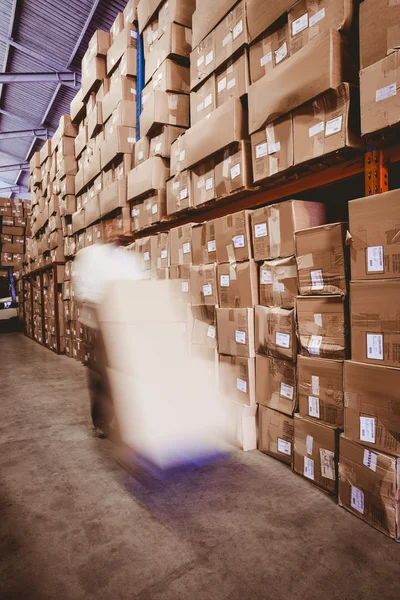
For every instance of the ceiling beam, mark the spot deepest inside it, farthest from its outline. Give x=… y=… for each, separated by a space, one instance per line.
x=15 y=189
x=10 y=32
x=17 y=167
x=66 y=78
x=32 y=53
x=28 y=123
x=42 y=133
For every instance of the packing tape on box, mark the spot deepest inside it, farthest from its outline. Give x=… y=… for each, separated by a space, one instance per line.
x=271 y=142
x=233 y=270
x=279 y=273
x=274 y=229
x=305 y=262
x=231 y=253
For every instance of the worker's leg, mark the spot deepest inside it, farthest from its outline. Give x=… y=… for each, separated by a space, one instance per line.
x=100 y=408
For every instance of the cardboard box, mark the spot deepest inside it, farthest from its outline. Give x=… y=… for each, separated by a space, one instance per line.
x=180 y=275
x=232 y=237
x=241 y=425
x=272 y=149
x=269 y=51
x=115 y=196
x=207 y=15
x=142 y=150
x=235 y=328
x=308 y=19
x=203 y=285
x=238 y=284
x=180 y=239
x=327 y=124
x=177 y=11
x=278 y=282
x=117 y=26
x=92 y=75
x=322 y=260
x=276 y=385
x=203 y=182
x=164 y=108
x=238 y=379
x=170 y=76
x=203 y=243
x=321 y=65
x=275 y=332
x=120 y=140
x=232 y=170
x=176 y=42
x=203 y=101
x=274 y=226
x=125 y=40
x=179 y=193
x=151 y=175
x=122 y=88
x=160 y=144
x=379 y=35
x=322 y=323
x=374 y=312
x=275 y=434
x=380 y=104
x=260 y=16
x=202 y=61
x=316 y=452
x=78 y=220
x=160 y=254
x=232 y=79
x=374 y=224
x=369 y=486
x=231 y=33
x=320 y=389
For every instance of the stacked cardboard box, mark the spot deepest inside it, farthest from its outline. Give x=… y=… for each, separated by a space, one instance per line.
x=14 y=229
x=380 y=65
x=370 y=448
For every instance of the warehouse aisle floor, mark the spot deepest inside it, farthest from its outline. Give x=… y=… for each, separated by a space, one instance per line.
x=73 y=525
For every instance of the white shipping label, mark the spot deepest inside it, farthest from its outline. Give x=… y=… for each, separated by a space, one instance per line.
x=272 y=148
x=314 y=344
x=327 y=464
x=284 y=447
x=200 y=107
x=287 y=391
x=157 y=148
x=186 y=248
x=375 y=346
x=267 y=58
x=308 y=468
x=185 y=286
x=357 y=499
x=334 y=126
x=370 y=460
x=154 y=209
x=318 y=319
x=317 y=280
x=281 y=53
x=209 y=183
x=309 y=444
x=375 y=262
x=208 y=101
x=315 y=129
x=313 y=407
x=200 y=184
x=231 y=84
x=225 y=280
x=240 y=337
x=131 y=140
x=238 y=241
x=261 y=150
x=386 y=92
x=315 y=385
x=211 y=332
x=266 y=277
x=300 y=24
x=235 y=171
x=146 y=256
x=140 y=155
x=207 y=289
x=317 y=17
x=164 y=254
x=227 y=39
x=211 y=246
x=238 y=29
x=241 y=385
x=209 y=57
x=135 y=212
x=282 y=340
x=221 y=85
x=183 y=194
x=367 y=429
x=175 y=185
x=260 y=230
x=200 y=60
x=182 y=155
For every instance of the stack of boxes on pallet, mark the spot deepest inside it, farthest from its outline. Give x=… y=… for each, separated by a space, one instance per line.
x=14 y=230
x=380 y=66
x=167 y=45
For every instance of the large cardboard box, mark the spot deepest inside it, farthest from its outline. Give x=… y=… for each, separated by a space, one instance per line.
x=121 y=88
x=375 y=312
x=203 y=182
x=380 y=103
x=232 y=79
x=164 y=108
x=233 y=237
x=203 y=285
x=232 y=170
x=93 y=74
x=202 y=61
x=371 y=415
x=276 y=385
x=316 y=452
x=275 y=434
x=275 y=332
x=238 y=379
x=379 y=33
x=175 y=11
x=235 y=327
x=179 y=193
x=278 y=282
x=203 y=243
x=160 y=144
x=321 y=65
x=231 y=33
x=170 y=76
x=260 y=16
x=114 y=196
x=322 y=323
x=374 y=224
x=150 y=175
x=327 y=124
x=322 y=260
x=369 y=486
x=320 y=389
x=203 y=101
x=269 y=51
x=238 y=284
x=274 y=226
x=308 y=19
x=207 y=15
x=180 y=239
x=202 y=325
x=124 y=41
x=120 y=140
x=175 y=42
x=272 y=149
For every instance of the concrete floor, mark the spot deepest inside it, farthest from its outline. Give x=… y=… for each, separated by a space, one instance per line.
x=73 y=525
